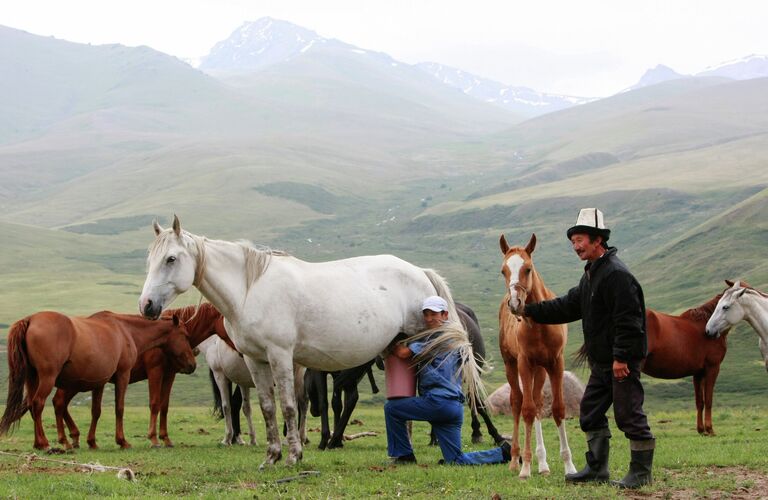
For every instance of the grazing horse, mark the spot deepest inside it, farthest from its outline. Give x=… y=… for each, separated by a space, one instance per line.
x=531 y=351
x=471 y=324
x=344 y=381
x=280 y=310
x=79 y=354
x=742 y=302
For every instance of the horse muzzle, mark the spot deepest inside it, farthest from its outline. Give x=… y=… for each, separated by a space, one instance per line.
x=150 y=309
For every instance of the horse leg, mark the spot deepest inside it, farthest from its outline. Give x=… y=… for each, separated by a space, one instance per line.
x=302 y=402
x=763 y=344
x=477 y=436
x=351 y=396
x=154 y=383
x=515 y=402
x=528 y=411
x=74 y=432
x=338 y=407
x=235 y=408
x=262 y=379
x=281 y=362
x=698 y=393
x=165 y=401
x=42 y=389
x=558 y=413
x=539 y=377
x=121 y=385
x=222 y=383
x=492 y=430
x=245 y=392
x=322 y=401
x=709 y=394
x=60 y=400
x=96 y=396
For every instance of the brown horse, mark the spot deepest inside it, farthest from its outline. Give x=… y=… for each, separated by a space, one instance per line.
x=159 y=367
x=78 y=354
x=678 y=347
x=531 y=351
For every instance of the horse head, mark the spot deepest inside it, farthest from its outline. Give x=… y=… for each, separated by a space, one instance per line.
x=172 y=268
x=178 y=349
x=728 y=311
x=517 y=269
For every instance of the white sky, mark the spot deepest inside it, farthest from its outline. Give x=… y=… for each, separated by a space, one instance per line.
x=576 y=47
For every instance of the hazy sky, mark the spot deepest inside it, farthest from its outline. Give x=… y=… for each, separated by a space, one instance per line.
x=584 y=47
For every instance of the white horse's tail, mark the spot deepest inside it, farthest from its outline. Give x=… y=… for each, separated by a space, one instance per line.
x=443 y=290
x=469 y=369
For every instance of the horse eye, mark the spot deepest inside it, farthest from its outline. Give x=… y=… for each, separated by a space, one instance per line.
x=528 y=271
x=725 y=308
x=170 y=260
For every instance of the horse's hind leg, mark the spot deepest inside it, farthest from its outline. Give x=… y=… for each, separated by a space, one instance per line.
x=96 y=396
x=558 y=414
x=698 y=393
x=281 y=363
x=709 y=393
x=61 y=402
x=262 y=378
x=222 y=385
x=42 y=389
x=245 y=392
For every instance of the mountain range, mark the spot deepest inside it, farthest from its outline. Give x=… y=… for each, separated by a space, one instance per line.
x=330 y=151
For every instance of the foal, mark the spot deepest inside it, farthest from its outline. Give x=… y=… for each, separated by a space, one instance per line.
x=531 y=351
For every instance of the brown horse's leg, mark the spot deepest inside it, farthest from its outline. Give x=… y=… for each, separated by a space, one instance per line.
x=96 y=396
x=698 y=393
x=154 y=382
x=121 y=384
x=539 y=378
x=60 y=403
x=515 y=403
x=43 y=388
x=168 y=379
x=528 y=411
x=558 y=412
x=709 y=395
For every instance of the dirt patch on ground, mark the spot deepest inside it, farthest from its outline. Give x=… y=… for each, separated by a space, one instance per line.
x=750 y=485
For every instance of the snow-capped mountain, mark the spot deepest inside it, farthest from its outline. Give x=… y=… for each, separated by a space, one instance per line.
x=522 y=100
x=746 y=68
x=262 y=43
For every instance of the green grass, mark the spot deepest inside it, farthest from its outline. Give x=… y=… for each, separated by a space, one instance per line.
x=198 y=467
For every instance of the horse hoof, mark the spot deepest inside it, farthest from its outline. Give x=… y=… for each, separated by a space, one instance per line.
x=477 y=439
x=155 y=446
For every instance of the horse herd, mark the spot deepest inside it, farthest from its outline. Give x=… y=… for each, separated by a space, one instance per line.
x=276 y=322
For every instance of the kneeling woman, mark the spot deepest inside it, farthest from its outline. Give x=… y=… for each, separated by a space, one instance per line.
x=440 y=400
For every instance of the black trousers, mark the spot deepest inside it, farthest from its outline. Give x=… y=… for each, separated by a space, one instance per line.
x=627 y=397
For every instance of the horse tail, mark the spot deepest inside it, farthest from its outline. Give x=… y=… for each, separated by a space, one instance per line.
x=18 y=371
x=580 y=356
x=217 y=410
x=443 y=290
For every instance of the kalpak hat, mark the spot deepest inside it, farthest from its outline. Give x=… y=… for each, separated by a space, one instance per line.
x=590 y=221
x=434 y=303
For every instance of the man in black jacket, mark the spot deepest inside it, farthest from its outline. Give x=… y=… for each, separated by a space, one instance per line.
x=609 y=301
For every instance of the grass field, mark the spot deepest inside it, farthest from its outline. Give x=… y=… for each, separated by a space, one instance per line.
x=733 y=464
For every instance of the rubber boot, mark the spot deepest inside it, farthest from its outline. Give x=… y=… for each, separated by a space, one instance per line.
x=596 y=469
x=639 y=466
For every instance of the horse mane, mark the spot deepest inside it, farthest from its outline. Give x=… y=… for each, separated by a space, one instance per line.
x=186 y=313
x=257 y=259
x=704 y=311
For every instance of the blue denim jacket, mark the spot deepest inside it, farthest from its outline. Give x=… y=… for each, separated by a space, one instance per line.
x=439 y=378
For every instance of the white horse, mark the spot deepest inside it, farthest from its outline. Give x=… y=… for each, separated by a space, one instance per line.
x=227 y=366
x=742 y=302
x=278 y=309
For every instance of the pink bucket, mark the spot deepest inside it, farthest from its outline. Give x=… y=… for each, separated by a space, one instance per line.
x=400 y=377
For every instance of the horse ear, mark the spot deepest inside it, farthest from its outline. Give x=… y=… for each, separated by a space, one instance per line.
x=531 y=244
x=729 y=283
x=175 y=320
x=157 y=227
x=741 y=292
x=176 y=225
x=503 y=244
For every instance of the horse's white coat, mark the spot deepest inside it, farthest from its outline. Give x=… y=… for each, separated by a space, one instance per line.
x=326 y=316
x=741 y=303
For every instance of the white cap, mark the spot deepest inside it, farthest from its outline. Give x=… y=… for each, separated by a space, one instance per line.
x=434 y=303
x=590 y=221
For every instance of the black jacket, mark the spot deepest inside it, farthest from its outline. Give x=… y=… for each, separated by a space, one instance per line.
x=609 y=301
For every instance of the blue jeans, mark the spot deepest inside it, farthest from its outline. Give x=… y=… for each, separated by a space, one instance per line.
x=446 y=417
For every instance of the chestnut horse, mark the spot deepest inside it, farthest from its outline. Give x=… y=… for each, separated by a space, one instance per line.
x=159 y=368
x=531 y=351
x=678 y=347
x=78 y=354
